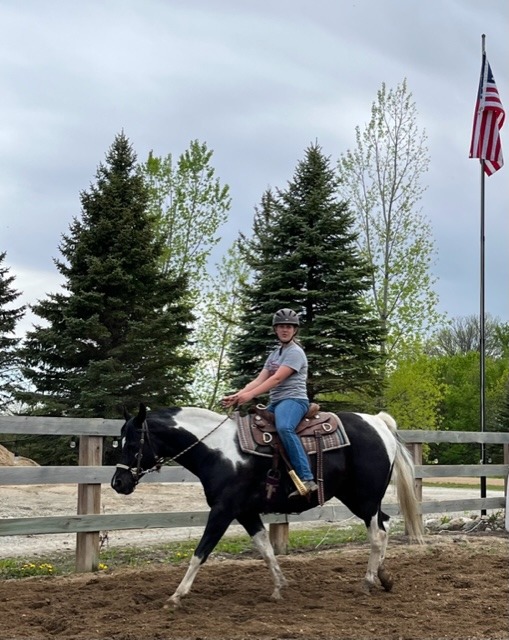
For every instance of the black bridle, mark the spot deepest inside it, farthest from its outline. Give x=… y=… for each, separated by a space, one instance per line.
x=137 y=471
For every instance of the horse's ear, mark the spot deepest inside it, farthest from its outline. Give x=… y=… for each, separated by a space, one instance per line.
x=142 y=413
x=127 y=415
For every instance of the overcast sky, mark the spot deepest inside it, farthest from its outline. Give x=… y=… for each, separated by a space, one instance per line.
x=258 y=81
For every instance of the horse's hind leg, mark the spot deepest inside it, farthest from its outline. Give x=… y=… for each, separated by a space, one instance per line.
x=384 y=576
x=254 y=526
x=378 y=539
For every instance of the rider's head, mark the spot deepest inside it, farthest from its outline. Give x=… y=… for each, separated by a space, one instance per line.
x=285 y=323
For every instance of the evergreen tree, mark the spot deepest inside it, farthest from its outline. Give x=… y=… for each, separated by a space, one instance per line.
x=303 y=255
x=119 y=334
x=9 y=316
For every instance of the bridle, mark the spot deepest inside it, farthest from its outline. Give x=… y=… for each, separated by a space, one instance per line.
x=138 y=473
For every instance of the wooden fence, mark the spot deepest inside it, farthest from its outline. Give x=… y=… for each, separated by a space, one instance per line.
x=89 y=476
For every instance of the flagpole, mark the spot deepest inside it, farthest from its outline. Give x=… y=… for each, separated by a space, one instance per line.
x=482 y=349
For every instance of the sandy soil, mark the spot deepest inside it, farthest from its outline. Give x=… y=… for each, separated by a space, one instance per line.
x=451 y=588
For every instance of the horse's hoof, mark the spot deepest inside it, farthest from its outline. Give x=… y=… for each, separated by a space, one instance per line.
x=367 y=587
x=172 y=603
x=276 y=595
x=385 y=578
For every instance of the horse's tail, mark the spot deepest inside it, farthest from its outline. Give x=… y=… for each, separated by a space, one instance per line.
x=404 y=478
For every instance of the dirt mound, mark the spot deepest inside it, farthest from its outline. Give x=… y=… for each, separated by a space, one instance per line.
x=8 y=459
x=444 y=590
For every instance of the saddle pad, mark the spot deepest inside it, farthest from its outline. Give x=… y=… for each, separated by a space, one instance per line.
x=245 y=427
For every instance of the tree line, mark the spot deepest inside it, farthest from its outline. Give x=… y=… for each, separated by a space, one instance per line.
x=142 y=316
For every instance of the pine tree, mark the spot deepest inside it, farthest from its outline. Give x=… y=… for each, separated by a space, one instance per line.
x=303 y=254
x=119 y=334
x=9 y=317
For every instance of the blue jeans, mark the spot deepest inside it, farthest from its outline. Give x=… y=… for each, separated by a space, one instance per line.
x=288 y=413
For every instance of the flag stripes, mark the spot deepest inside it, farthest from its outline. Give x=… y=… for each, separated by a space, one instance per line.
x=489 y=118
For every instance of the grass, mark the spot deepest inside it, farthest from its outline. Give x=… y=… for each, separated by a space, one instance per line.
x=300 y=541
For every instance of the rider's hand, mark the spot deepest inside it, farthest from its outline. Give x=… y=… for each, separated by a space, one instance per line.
x=243 y=397
x=229 y=401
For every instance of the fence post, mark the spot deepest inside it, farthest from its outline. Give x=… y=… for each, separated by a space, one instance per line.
x=89 y=502
x=278 y=535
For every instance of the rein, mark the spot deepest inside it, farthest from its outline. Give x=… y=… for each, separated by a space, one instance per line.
x=138 y=472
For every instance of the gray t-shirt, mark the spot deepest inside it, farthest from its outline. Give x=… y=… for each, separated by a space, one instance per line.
x=294 y=386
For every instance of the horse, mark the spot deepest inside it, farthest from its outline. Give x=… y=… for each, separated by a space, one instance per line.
x=235 y=483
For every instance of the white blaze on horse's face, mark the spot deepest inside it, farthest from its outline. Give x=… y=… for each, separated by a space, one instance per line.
x=201 y=423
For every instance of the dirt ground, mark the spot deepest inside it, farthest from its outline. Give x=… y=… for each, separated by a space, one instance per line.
x=452 y=587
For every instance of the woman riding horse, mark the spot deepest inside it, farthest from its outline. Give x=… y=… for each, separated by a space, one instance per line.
x=284 y=376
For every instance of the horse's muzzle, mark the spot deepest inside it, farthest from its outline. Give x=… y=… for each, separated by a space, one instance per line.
x=123 y=482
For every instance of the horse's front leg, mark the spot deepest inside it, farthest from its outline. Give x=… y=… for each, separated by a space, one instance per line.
x=253 y=524
x=217 y=523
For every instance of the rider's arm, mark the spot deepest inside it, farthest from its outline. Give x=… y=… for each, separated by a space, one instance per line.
x=264 y=384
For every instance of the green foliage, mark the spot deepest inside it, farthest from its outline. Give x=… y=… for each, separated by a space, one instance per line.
x=218 y=318
x=10 y=377
x=303 y=255
x=45 y=450
x=503 y=413
x=460 y=406
x=24 y=569
x=189 y=204
x=381 y=179
x=118 y=335
x=414 y=392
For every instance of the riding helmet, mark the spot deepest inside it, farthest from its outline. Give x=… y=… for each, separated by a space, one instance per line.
x=285 y=316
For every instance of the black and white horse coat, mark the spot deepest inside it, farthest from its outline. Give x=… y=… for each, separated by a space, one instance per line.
x=206 y=443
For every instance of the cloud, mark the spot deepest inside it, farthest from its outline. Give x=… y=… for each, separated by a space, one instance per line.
x=258 y=81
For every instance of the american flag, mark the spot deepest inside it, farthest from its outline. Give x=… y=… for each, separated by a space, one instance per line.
x=488 y=120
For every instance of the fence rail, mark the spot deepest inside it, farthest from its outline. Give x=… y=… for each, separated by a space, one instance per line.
x=90 y=475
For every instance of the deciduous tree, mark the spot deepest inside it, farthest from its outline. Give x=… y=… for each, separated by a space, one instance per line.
x=382 y=181
x=189 y=204
x=462 y=335
x=218 y=320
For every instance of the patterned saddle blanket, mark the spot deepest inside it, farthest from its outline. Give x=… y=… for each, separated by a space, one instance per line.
x=258 y=435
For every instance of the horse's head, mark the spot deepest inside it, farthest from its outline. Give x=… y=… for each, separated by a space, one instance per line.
x=137 y=456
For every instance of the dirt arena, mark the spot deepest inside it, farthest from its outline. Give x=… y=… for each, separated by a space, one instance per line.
x=452 y=587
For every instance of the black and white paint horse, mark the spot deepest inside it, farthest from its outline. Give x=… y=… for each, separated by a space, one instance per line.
x=234 y=482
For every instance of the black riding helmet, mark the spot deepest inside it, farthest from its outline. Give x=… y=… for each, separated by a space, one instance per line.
x=285 y=316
